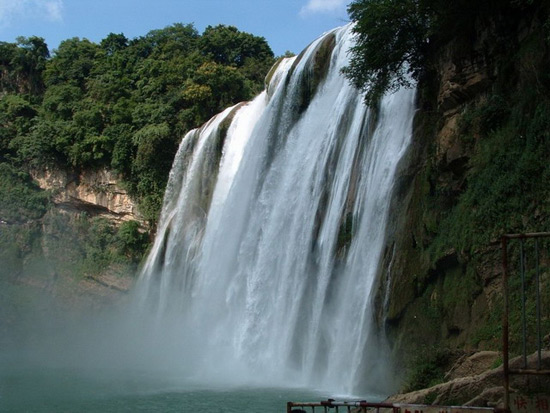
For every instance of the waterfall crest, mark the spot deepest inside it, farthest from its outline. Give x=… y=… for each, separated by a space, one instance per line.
x=273 y=226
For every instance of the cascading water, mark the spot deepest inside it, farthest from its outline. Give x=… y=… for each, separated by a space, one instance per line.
x=272 y=228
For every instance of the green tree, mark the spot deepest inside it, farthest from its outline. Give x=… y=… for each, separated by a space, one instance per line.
x=20 y=199
x=61 y=101
x=22 y=65
x=177 y=39
x=229 y=46
x=16 y=119
x=396 y=40
x=213 y=88
x=131 y=240
x=72 y=62
x=391 y=43
x=33 y=54
x=114 y=43
x=7 y=74
x=123 y=104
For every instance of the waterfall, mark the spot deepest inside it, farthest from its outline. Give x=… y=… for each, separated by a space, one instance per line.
x=272 y=230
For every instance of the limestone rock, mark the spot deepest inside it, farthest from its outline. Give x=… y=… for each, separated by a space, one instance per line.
x=473 y=365
x=96 y=192
x=483 y=389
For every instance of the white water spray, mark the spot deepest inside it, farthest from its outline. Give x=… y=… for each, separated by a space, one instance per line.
x=272 y=229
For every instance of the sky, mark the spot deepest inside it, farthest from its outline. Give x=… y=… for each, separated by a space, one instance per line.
x=287 y=25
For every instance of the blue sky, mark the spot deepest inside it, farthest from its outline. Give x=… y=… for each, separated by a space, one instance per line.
x=286 y=24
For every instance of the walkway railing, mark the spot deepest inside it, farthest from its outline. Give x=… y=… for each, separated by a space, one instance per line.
x=363 y=406
x=529 y=270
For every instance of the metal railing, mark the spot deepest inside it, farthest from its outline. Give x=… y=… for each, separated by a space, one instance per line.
x=324 y=406
x=363 y=406
x=524 y=267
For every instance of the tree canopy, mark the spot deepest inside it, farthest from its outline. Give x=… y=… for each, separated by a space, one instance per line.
x=396 y=39
x=124 y=103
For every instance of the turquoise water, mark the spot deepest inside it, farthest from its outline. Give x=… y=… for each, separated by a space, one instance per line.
x=62 y=390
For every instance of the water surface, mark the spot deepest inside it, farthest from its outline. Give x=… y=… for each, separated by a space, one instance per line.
x=62 y=390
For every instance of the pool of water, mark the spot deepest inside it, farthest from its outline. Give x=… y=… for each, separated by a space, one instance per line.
x=63 y=390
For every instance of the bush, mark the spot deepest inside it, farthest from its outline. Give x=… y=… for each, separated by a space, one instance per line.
x=20 y=199
x=428 y=368
x=131 y=241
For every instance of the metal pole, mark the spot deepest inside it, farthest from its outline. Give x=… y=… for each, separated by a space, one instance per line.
x=505 y=344
x=528 y=235
x=523 y=310
x=539 y=332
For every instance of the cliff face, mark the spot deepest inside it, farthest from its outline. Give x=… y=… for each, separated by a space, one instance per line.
x=95 y=192
x=80 y=256
x=82 y=252
x=434 y=289
x=438 y=158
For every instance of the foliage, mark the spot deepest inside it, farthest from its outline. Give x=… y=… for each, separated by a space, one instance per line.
x=82 y=245
x=392 y=38
x=20 y=199
x=98 y=248
x=22 y=205
x=124 y=103
x=505 y=181
x=130 y=240
x=16 y=115
x=427 y=368
x=22 y=64
x=227 y=46
x=101 y=243
x=398 y=40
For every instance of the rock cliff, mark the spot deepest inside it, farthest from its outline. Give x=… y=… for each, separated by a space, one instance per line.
x=96 y=192
x=475 y=381
x=434 y=290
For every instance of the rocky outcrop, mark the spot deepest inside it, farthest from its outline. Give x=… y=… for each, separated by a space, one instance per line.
x=472 y=365
x=96 y=192
x=474 y=383
x=461 y=80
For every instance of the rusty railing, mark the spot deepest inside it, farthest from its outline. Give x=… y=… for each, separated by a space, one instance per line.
x=522 y=270
x=363 y=406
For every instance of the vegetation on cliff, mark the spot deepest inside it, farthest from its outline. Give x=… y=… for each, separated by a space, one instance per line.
x=479 y=164
x=399 y=41
x=122 y=105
